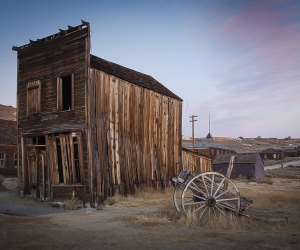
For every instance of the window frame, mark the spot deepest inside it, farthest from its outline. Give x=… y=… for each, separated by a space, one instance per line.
x=59 y=103
x=15 y=159
x=32 y=85
x=2 y=160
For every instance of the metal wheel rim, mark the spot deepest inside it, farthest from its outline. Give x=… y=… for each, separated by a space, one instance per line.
x=177 y=194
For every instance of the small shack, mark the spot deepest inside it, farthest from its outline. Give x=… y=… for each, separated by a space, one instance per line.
x=271 y=154
x=195 y=162
x=244 y=165
x=291 y=152
x=8 y=148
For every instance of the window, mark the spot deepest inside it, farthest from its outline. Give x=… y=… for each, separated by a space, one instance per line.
x=274 y=156
x=15 y=159
x=33 y=97
x=65 y=92
x=2 y=159
x=69 y=165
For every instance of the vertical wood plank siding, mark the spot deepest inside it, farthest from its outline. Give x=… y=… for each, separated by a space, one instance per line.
x=45 y=62
x=195 y=163
x=128 y=135
x=136 y=138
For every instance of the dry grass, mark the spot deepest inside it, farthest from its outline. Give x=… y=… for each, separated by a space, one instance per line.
x=71 y=204
x=145 y=197
x=270 y=202
x=266 y=180
x=264 y=198
x=153 y=220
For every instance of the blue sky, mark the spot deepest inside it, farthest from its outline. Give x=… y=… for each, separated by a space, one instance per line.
x=238 y=60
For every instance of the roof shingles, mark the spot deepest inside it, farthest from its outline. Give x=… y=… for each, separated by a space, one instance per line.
x=8 y=132
x=132 y=76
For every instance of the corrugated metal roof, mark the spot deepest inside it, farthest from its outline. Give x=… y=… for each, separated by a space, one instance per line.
x=205 y=144
x=241 y=158
x=132 y=76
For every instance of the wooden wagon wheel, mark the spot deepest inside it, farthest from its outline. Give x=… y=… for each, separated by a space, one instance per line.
x=210 y=194
x=177 y=194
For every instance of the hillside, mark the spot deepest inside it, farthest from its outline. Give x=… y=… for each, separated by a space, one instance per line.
x=7 y=112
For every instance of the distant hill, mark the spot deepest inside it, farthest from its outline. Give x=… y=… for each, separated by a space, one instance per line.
x=8 y=113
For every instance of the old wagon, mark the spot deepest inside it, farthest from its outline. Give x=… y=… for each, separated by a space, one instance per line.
x=208 y=194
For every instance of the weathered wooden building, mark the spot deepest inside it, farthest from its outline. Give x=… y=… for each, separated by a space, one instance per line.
x=291 y=152
x=244 y=165
x=195 y=162
x=271 y=154
x=88 y=127
x=8 y=148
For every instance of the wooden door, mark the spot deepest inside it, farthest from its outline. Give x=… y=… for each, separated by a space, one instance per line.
x=37 y=172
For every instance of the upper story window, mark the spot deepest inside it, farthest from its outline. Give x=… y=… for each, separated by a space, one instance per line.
x=65 y=92
x=33 y=97
x=2 y=159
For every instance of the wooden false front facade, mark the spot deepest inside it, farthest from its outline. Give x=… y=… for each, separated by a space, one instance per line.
x=88 y=127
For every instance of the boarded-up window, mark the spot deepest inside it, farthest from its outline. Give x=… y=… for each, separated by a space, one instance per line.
x=66 y=159
x=65 y=92
x=33 y=97
x=2 y=159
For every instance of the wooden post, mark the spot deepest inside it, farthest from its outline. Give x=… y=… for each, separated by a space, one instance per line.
x=193 y=129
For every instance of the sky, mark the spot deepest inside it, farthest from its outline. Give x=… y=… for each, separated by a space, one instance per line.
x=237 y=60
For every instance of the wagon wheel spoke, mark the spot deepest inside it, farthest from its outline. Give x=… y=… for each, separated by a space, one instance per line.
x=197 y=196
x=204 y=182
x=197 y=189
x=201 y=215
x=197 y=209
x=220 y=210
x=215 y=214
x=221 y=183
x=194 y=202
x=212 y=185
x=227 y=206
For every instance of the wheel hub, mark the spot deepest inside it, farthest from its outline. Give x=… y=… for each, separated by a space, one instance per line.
x=211 y=201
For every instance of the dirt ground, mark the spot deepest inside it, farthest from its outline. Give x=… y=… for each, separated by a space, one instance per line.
x=149 y=221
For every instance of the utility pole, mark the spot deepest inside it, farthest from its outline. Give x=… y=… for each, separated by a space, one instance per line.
x=193 y=120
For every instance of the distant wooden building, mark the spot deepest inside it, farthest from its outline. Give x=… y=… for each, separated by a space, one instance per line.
x=211 y=149
x=195 y=162
x=244 y=165
x=291 y=152
x=8 y=148
x=271 y=154
x=88 y=127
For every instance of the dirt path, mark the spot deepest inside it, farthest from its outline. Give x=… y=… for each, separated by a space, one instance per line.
x=285 y=164
x=116 y=227
x=13 y=204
